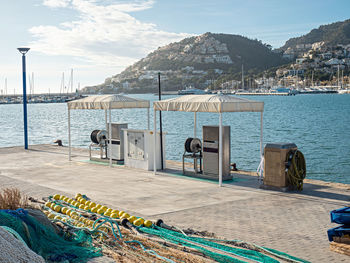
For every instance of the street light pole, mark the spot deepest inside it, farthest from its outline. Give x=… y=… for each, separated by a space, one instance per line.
x=23 y=51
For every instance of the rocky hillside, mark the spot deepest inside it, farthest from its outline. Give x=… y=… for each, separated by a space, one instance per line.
x=195 y=61
x=332 y=34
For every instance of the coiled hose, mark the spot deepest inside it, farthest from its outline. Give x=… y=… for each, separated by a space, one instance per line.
x=296 y=169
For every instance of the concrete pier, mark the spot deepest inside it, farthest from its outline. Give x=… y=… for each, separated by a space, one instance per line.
x=295 y=223
x=264 y=93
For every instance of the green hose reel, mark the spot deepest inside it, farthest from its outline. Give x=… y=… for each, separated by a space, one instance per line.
x=296 y=169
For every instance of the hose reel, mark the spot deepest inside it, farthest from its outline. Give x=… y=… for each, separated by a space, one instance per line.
x=296 y=169
x=193 y=150
x=193 y=145
x=99 y=137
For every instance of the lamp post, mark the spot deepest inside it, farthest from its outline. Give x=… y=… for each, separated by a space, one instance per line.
x=23 y=51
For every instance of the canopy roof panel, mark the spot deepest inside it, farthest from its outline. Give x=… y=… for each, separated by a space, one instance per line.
x=209 y=103
x=107 y=102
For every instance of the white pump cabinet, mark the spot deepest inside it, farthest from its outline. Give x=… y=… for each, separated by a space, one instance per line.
x=139 y=148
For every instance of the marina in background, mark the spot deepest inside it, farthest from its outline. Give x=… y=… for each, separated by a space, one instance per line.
x=65 y=94
x=40 y=98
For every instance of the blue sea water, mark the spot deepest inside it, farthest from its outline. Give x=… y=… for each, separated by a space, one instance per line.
x=318 y=124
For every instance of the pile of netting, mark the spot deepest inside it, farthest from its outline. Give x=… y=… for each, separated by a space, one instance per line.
x=44 y=238
x=222 y=250
x=128 y=238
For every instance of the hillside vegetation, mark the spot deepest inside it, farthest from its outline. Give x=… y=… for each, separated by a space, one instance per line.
x=209 y=60
x=332 y=34
x=195 y=61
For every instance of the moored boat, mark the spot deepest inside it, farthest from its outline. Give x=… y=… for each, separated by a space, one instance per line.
x=191 y=91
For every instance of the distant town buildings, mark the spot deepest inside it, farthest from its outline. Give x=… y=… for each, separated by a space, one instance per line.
x=311 y=64
x=328 y=61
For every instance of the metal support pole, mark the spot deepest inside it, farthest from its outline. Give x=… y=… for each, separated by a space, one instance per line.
x=25 y=102
x=261 y=134
x=220 y=149
x=106 y=120
x=106 y=126
x=69 y=139
x=195 y=125
x=155 y=141
x=160 y=124
x=261 y=147
x=148 y=121
x=110 y=139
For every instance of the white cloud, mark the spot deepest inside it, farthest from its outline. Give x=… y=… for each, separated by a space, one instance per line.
x=56 y=3
x=103 y=34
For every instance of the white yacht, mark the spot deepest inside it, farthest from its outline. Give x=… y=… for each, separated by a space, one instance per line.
x=191 y=91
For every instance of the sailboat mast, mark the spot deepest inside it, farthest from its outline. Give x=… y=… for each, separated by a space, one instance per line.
x=342 y=78
x=63 y=85
x=30 y=87
x=71 y=82
x=68 y=84
x=32 y=83
x=338 y=76
x=242 y=78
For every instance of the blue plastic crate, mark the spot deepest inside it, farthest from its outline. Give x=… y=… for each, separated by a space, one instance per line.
x=341 y=216
x=338 y=231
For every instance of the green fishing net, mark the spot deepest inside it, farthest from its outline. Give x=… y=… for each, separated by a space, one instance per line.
x=46 y=240
x=215 y=250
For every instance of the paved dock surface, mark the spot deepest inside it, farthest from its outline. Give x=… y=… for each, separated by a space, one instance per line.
x=295 y=223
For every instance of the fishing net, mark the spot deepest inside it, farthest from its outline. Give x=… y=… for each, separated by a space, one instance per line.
x=46 y=240
x=220 y=252
x=14 y=250
x=121 y=237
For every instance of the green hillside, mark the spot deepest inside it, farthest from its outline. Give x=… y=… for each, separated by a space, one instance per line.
x=332 y=34
x=194 y=61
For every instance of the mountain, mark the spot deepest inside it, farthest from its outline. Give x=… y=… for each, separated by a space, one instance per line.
x=205 y=51
x=332 y=34
x=195 y=61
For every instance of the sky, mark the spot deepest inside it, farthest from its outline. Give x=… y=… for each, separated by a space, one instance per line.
x=100 y=38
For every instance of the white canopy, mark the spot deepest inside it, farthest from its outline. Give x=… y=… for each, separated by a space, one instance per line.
x=209 y=103
x=107 y=102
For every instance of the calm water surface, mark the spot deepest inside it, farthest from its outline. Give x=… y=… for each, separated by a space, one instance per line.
x=318 y=124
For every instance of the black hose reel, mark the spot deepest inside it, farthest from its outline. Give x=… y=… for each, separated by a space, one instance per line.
x=193 y=150
x=99 y=140
x=193 y=145
x=99 y=137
